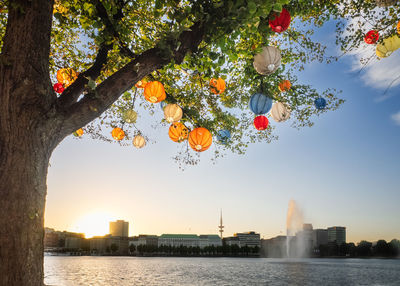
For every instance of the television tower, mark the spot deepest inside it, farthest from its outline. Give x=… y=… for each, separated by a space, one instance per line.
x=221 y=227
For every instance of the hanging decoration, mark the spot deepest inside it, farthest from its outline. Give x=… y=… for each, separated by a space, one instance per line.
x=139 y=141
x=130 y=116
x=371 y=37
x=261 y=122
x=280 y=112
x=173 y=113
x=141 y=83
x=118 y=134
x=285 y=85
x=398 y=27
x=178 y=132
x=200 y=139
x=385 y=3
x=223 y=136
x=154 y=92
x=217 y=86
x=320 y=103
x=388 y=46
x=78 y=133
x=268 y=61
x=260 y=103
x=58 y=87
x=280 y=22
x=66 y=76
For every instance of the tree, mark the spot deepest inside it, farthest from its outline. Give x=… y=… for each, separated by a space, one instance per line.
x=132 y=248
x=113 y=248
x=113 y=45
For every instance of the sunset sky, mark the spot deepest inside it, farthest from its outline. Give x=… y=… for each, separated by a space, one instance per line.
x=343 y=171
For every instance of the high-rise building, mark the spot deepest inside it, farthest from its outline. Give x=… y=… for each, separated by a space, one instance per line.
x=337 y=234
x=320 y=237
x=250 y=239
x=119 y=228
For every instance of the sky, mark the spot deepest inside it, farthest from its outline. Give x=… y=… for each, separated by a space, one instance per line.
x=344 y=171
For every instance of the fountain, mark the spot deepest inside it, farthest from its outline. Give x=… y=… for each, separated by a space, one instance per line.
x=294 y=224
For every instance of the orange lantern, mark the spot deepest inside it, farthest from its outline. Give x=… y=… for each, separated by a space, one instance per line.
x=398 y=27
x=66 y=76
x=118 y=134
x=178 y=132
x=154 y=92
x=78 y=133
x=217 y=86
x=200 y=139
x=141 y=83
x=284 y=85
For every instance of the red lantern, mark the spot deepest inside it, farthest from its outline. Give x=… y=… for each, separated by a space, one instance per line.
x=280 y=23
x=371 y=37
x=261 y=122
x=58 y=87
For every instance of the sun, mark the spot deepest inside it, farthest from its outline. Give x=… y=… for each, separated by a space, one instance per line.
x=93 y=224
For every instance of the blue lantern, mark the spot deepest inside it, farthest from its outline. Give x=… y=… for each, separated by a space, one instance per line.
x=223 y=136
x=162 y=105
x=320 y=103
x=260 y=103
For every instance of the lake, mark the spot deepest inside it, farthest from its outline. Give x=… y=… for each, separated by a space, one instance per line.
x=121 y=271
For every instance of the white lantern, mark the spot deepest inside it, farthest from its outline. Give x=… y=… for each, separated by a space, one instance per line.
x=139 y=141
x=385 y=3
x=268 y=61
x=280 y=112
x=129 y=116
x=173 y=113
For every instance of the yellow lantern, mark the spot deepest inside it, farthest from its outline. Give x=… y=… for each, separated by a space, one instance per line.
x=78 y=133
x=139 y=141
x=173 y=113
x=129 y=116
x=66 y=76
x=388 y=46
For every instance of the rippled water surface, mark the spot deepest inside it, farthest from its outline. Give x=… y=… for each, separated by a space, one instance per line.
x=123 y=271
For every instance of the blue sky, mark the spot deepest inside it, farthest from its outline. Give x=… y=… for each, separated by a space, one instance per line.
x=342 y=171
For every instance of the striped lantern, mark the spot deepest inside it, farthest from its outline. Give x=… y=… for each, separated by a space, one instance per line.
x=268 y=61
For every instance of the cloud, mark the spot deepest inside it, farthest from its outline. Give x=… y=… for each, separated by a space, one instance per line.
x=396 y=118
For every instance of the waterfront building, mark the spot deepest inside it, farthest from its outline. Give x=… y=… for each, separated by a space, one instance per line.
x=119 y=228
x=274 y=247
x=320 y=237
x=337 y=234
x=250 y=239
x=233 y=240
x=304 y=238
x=105 y=244
x=179 y=240
x=73 y=242
x=145 y=239
x=209 y=240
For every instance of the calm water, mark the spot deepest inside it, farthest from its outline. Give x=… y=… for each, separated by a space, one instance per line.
x=123 y=271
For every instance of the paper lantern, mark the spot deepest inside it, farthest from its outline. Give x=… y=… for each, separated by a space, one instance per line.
x=200 y=139
x=371 y=37
x=58 y=87
x=260 y=103
x=268 y=61
x=78 y=133
x=388 y=46
x=173 y=113
x=154 y=92
x=398 y=27
x=280 y=22
x=284 y=85
x=223 y=136
x=280 y=112
x=261 y=122
x=217 y=86
x=129 y=116
x=141 y=83
x=385 y=3
x=139 y=141
x=66 y=76
x=118 y=134
x=178 y=132
x=320 y=103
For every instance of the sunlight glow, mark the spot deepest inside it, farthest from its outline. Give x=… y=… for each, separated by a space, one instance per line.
x=93 y=224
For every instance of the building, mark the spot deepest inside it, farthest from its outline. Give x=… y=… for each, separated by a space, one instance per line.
x=304 y=239
x=320 y=237
x=73 y=242
x=209 y=240
x=179 y=240
x=250 y=239
x=109 y=245
x=274 y=247
x=119 y=228
x=145 y=239
x=337 y=234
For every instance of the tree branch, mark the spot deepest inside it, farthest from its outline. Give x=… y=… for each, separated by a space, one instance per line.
x=95 y=103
